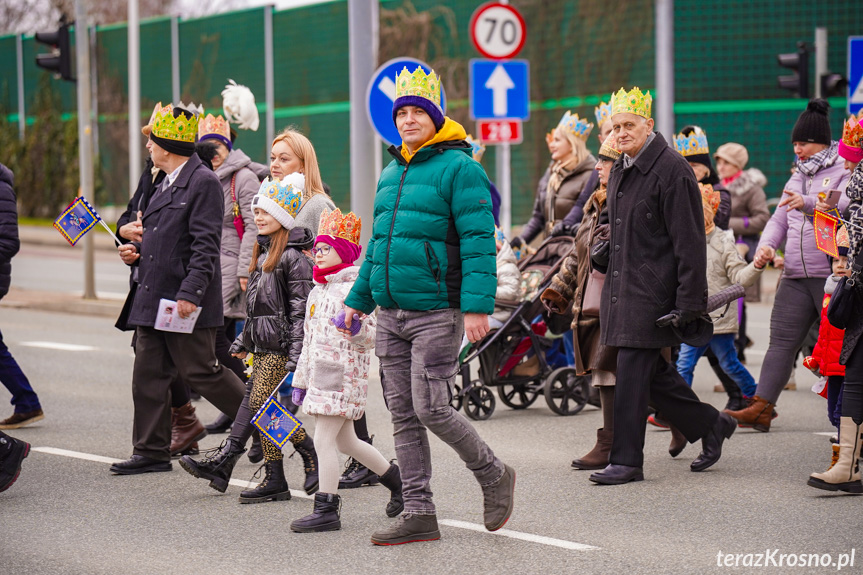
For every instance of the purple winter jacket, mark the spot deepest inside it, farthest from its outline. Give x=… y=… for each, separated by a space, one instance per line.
x=803 y=259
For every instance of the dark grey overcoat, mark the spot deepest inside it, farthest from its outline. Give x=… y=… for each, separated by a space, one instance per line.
x=180 y=247
x=658 y=249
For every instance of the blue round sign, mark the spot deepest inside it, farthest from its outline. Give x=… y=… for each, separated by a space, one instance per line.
x=381 y=93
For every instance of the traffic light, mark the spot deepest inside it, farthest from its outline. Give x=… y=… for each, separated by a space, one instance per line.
x=59 y=60
x=798 y=63
x=833 y=85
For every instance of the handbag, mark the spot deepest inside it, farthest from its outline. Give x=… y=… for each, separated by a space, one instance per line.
x=238 y=219
x=592 y=294
x=840 y=311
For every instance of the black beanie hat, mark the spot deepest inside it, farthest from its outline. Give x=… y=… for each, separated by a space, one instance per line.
x=703 y=159
x=813 y=125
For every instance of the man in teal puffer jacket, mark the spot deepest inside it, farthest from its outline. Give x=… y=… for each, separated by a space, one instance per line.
x=430 y=266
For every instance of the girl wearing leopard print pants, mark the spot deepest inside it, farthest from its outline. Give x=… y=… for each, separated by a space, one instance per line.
x=331 y=381
x=279 y=284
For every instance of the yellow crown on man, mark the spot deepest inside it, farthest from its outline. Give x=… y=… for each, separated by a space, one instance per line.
x=338 y=225
x=633 y=102
x=418 y=84
x=179 y=129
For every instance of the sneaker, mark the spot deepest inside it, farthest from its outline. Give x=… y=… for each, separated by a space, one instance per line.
x=21 y=419
x=498 y=500
x=409 y=528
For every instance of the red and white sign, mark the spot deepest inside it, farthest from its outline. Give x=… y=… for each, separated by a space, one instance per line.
x=493 y=132
x=497 y=30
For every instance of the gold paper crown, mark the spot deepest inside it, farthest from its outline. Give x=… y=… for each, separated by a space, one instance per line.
x=842 y=238
x=607 y=148
x=633 y=102
x=346 y=226
x=478 y=148
x=179 y=129
x=603 y=112
x=419 y=84
x=573 y=124
x=852 y=132
x=214 y=125
x=694 y=143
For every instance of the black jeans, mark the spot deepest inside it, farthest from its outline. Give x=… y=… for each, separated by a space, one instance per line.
x=852 y=392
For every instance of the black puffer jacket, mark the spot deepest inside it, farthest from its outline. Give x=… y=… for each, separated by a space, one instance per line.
x=276 y=301
x=9 y=243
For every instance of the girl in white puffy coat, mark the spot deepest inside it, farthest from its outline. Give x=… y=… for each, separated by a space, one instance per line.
x=331 y=379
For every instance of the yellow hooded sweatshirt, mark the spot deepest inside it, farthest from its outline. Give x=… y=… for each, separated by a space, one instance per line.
x=451 y=130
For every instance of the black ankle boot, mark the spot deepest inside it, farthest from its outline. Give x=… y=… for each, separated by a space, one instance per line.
x=306 y=448
x=356 y=474
x=256 y=451
x=274 y=487
x=222 y=424
x=325 y=516
x=392 y=480
x=217 y=465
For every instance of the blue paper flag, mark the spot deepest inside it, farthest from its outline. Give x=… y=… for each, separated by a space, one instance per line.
x=275 y=422
x=77 y=219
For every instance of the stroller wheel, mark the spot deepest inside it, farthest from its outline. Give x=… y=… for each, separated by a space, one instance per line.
x=479 y=401
x=565 y=392
x=517 y=396
x=457 y=399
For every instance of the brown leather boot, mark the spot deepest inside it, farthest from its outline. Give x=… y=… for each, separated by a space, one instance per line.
x=597 y=458
x=186 y=428
x=758 y=414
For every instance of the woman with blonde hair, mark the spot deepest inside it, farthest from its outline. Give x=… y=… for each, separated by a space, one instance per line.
x=293 y=152
x=559 y=208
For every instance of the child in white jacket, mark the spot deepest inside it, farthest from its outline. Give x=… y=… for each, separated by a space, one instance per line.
x=331 y=380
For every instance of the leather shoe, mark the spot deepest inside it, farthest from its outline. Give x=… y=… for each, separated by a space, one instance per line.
x=140 y=464
x=711 y=444
x=617 y=475
x=678 y=442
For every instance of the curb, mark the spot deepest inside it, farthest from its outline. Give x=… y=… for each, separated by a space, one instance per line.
x=62 y=303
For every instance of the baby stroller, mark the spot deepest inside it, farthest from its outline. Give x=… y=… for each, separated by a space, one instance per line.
x=519 y=341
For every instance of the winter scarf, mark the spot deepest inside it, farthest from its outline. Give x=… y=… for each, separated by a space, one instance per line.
x=826 y=157
x=559 y=172
x=320 y=274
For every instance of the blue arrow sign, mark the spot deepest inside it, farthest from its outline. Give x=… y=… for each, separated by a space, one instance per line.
x=381 y=93
x=499 y=89
x=855 y=74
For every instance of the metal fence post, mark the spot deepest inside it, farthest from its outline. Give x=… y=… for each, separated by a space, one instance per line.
x=663 y=106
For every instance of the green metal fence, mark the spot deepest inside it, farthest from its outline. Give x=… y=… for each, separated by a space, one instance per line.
x=580 y=51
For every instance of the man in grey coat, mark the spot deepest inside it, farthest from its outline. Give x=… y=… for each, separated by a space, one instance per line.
x=656 y=263
x=178 y=258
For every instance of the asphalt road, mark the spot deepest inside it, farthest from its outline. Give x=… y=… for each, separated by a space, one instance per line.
x=67 y=514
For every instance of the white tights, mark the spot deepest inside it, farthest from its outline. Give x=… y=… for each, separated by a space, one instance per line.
x=333 y=434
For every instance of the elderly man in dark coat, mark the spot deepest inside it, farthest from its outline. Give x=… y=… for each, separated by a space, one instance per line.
x=178 y=259
x=656 y=263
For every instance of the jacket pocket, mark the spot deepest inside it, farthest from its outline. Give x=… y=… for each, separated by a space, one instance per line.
x=654 y=285
x=329 y=375
x=648 y=220
x=433 y=264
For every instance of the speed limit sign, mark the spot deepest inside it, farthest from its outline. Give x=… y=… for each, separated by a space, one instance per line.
x=497 y=30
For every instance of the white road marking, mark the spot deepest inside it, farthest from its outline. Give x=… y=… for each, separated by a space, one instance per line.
x=530 y=537
x=825 y=433
x=541 y=539
x=58 y=345
x=76 y=454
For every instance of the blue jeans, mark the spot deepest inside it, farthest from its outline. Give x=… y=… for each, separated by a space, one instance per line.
x=723 y=348
x=23 y=397
x=419 y=363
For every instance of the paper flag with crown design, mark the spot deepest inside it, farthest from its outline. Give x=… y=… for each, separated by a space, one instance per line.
x=825 y=233
x=633 y=102
x=478 y=149
x=275 y=422
x=345 y=226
